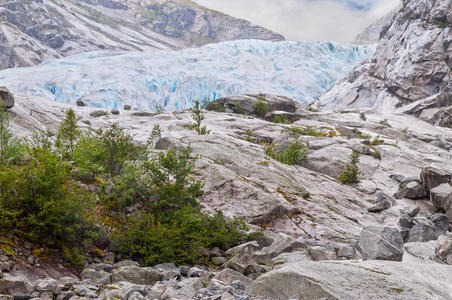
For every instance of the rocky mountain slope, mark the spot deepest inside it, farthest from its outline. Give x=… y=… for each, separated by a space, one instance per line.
x=172 y=80
x=35 y=31
x=411 y=69
x=313 y=223
x=371 y=34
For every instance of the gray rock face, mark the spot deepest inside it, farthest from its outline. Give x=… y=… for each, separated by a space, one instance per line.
x=411 y=69
x=441 y=197
x=36 y=31
x=432 y=177
x=381 y=243
x=383 y=202
x=6 y=97
x=424 y=232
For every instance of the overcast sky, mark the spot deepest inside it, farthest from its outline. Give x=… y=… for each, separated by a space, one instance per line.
x=337 y=20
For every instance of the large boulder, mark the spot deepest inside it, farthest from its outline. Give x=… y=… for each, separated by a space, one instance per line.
x=433 y=177
x=355 y=280
x=136 y=275
x=441 y=197
x=411 y=188
x=424 y=232
x=381 y=243
x=7 y=97
x=10 y=285
x=96 y=276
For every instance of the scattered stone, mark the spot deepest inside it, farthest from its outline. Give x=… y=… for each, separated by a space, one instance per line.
x=142 y=114
x=229 y=276
x=127 y=107
x=424 y=232
x=98 y=113
x=184 y=270
x=414 y=212
x=21 y=296
x=10 y=284
x=195 y=272
x=440 y=221
x=96 y=276
x=126 y=263
x=115 y=112
x=218 y=260
x=47 y=285
x=441 y=197
x=383 y=202
x=433 y=177
x=444 y=249
x=319 y=253
x=381 y=243
x=80 y=103
x=347 y=252
x=411 y=188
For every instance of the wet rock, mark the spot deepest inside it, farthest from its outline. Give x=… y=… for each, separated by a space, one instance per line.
x=433 y=177
x=381 y=243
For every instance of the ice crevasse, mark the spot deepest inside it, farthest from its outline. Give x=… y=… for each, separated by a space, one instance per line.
x=173 y=80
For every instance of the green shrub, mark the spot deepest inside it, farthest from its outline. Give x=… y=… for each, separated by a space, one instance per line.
x=171 y=226
x=39 y=200
x=296 y=132
x=68 y=134
x=260 y=108
x=238 y=109
x=385 y=123
x=89 y=158
x=198 y=116
x=351 y=171
x=292 y=155
x=10 y=146
x=280 y=120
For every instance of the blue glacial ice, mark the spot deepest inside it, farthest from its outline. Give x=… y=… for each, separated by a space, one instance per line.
x=174 y=79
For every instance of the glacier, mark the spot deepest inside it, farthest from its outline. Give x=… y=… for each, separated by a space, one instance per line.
x=173 y=80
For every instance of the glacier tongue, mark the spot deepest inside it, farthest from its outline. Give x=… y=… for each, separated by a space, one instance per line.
x=174 y=79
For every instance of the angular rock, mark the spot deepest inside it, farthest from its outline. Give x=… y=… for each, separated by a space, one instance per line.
x=96 y=277
x=441 y=197
x=10 y=284
x=47 y=285
x=218 y=260
x=411 y=188
x=136 y=275
x=127 y=107
x=229 y=276
x=381 y=243
x=433 y=177
x=319 y=253
x=383 y=202
x=347 y=252
x=444 y=249
x=423 y=233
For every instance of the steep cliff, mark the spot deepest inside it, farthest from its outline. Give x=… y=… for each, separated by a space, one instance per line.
x=411 y=69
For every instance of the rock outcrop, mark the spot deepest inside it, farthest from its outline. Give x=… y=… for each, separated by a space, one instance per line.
x=6 y=98
x=411 y=69
x=35 y=31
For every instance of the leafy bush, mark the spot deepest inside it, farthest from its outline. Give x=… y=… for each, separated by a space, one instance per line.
x=385 y=123
x=171 y=226
x=291 y=155
x=260 y=108
x=39 y=200
x=10 y=146
x=351 y=170
x=280 y=120
x=238 y=109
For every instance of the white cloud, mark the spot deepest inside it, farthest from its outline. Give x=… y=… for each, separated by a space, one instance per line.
x=306 y=19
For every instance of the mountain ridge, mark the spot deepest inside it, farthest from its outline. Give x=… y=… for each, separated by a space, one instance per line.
x=33 y=32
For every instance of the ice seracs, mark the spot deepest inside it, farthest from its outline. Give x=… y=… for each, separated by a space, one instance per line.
x=172 y=80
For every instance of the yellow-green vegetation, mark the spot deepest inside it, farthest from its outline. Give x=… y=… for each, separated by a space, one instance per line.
x=351 y=172
x=43 y=200
x=198 y=116
x=260 y=108
x=280 y=120
x=291 y=155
